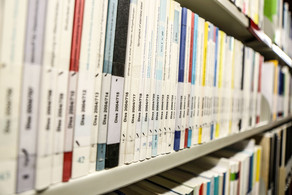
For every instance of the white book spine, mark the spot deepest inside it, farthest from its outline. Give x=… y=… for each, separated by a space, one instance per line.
x=48 y=97
x=135 y=82
x=151 y=136
x=145 y=84
x=12 y=33
x=159 y=73
x=61 y=84
x=33 y=60
x=84 y=101
x=100 y=16
x=128 y=80
x=139 y=98
x=165 y=84
x=174 y=60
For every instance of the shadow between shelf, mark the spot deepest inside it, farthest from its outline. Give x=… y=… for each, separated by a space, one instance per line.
x=111 y=179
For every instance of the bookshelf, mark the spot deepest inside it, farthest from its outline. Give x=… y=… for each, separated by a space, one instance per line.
x=231 y=20
x=109 y=180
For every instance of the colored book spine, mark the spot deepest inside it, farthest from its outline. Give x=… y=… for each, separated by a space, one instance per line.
x=127 y=79
x=179 y=102
x=72 y=88
x=193 y=120
x=188 y=134
x=106 y=83
x=33 y=60
x=101 y=19
x=259 y=90
x=13 y=16
x=117 y=86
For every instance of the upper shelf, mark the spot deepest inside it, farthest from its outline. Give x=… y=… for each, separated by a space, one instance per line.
x=231 y=20
x=109 y=180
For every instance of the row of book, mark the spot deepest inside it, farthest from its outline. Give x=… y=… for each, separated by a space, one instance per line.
x=273 y=17
x=87 y=85
x=235 y=171
x=262 y=165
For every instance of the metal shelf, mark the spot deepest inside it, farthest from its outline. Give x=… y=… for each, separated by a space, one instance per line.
x=108 y=180
x=231 y=20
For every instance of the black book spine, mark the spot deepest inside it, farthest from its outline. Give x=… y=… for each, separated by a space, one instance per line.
x=119 y=57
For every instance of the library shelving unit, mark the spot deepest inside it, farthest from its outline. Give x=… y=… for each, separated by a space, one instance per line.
x=229 y=18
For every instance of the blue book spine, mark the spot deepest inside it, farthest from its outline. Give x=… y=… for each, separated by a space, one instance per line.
x=250 y=173
x=208 y=188
x=106 y=83
x=180 y=77
x=216 y=185
x=224 y=183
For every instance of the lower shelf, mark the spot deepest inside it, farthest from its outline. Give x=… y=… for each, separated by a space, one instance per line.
x=108 y=180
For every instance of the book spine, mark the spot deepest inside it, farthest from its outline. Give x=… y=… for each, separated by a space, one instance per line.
x=127 y=82
x=100 y=31
x=117 y=87
x=47 y=97
x=175 y=51
x=188 y=134
x=146 y=81
x=193 y=121
x=215 y=83
x=140 y=81
x=261 y=61
x=106 y=84
x=33 y=58
x=84 y=101
x=179 y=102
x=184 y=131
x=165 y=83
x=135 y=82
x=166 y=148
x=13 y=16
x=72 y=87
x=152 y=138
x=159 y=75
x=62 y=66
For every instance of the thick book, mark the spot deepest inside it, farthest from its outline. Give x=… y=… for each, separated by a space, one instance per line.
x=85 y=90
x=179 y=99
x=106 y=84
x=127 y=80
x=101 y=19
x=117 y=85
x=48 y=99
x=13 y=16
x=72 y=91
x=60 y=140
x=33 y=61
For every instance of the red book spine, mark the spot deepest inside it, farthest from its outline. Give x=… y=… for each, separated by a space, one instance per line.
x=74 y=67
x=201 y=190
x=190 y=75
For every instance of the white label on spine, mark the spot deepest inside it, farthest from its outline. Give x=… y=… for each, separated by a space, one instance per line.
x=115 y=111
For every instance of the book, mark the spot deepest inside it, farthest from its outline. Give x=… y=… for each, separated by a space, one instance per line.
x=180 y=90
x=70 y=141
x=85 y=91
x=61 y=141
x=101 y=19
x=117 y=85
x=47 y=98
x=139 y=65
x=33 y=61
x=106 y=84
x=175 y=51
x=13 y=19
x=127 y=80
